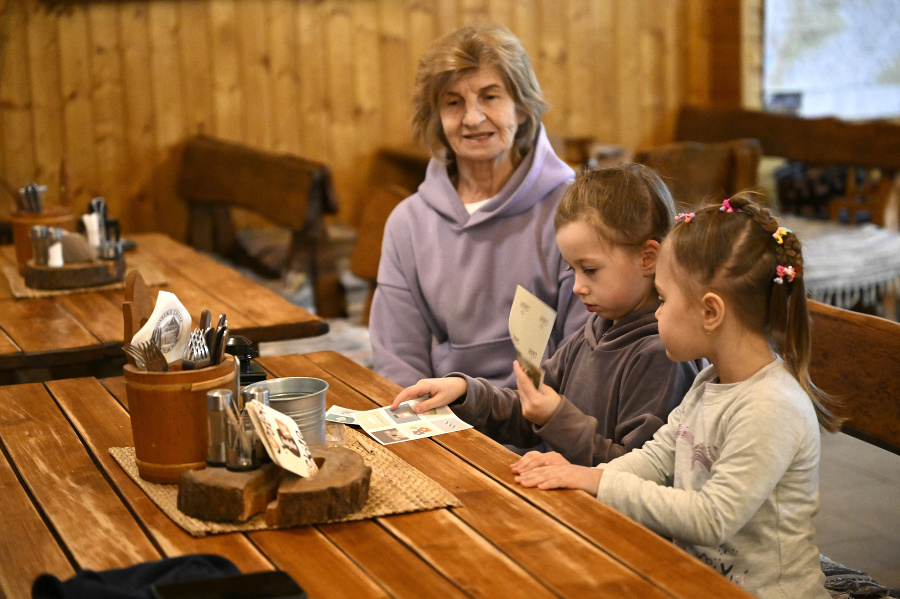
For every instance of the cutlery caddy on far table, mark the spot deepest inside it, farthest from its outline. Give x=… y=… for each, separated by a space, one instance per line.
x=74 y=276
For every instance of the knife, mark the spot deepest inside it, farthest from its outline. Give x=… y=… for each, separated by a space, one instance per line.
x=205 y=319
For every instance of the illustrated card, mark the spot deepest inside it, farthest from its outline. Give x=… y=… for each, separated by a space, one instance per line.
x=341 y=415
x=283 y=440
x=393 y=426
x=530 y=324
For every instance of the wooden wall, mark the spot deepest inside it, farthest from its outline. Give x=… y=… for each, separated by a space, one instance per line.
x=115 y=86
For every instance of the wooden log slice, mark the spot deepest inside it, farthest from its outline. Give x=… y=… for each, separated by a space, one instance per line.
x=220 y=495
x=74 y=276
x=339 y=488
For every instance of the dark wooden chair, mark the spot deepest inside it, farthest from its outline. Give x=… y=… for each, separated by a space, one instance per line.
x=394 y=174
x=367 y=251
x=698 y=173
x=216 y=176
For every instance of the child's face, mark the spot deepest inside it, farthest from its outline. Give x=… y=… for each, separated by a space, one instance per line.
x=680 y=315
x=610 y=280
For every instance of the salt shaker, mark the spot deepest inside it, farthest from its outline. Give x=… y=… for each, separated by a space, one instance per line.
x=217 y=401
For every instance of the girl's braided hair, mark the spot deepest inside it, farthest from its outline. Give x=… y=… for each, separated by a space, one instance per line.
x=740 y=251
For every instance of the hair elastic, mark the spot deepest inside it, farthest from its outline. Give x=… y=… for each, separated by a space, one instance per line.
x=685 y=217
x=785 y=272
x=726 y=206
x=779 y=234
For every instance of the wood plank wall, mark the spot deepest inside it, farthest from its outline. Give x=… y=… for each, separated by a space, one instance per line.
x=116 y=86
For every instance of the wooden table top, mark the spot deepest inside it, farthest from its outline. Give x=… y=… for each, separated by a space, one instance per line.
x=79 y=328
x=66 y=504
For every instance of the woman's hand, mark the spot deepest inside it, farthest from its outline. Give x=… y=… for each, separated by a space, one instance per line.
x=535 y=459
x=537 y=405
x=443 y=391
x=567 y=476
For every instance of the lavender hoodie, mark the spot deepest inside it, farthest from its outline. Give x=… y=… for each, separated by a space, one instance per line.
x=446 y=279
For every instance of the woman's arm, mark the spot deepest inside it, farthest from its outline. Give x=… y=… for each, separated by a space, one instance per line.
x=400 y=335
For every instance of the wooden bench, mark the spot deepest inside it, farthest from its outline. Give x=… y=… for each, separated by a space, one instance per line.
x=289 y=191
x=855 y=358
x=823 y=142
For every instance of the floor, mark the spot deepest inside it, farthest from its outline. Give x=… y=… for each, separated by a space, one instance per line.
x=859 y=517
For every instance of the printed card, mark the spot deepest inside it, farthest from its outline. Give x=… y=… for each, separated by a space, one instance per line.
x=283 y=440
x=392 y=426
x=530 y=324
x=341 y=415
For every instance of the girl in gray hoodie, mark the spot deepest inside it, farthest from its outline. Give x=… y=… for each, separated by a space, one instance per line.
x=610 y=386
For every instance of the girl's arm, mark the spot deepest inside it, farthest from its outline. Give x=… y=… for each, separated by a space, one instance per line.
x=496 y=411
x=644 y=396
x=759 y=445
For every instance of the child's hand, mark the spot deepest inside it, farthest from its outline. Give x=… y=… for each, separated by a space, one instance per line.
x=443 y=391
x=567 y=476
x=535 y=459
x=537 y=406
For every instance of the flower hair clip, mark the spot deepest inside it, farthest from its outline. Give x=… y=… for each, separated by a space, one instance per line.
x=785 y=272
x=779 y=234
x=685 y=217
x=727 y=207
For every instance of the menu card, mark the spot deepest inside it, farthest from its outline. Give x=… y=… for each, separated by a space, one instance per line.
x=282 y=439
x=393 y=426
x=530 y=324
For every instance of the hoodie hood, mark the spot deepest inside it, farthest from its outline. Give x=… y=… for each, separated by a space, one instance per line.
x=540 y=172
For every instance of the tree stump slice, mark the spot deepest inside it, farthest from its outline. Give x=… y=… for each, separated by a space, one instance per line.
x=220 y=495
x=339 y=488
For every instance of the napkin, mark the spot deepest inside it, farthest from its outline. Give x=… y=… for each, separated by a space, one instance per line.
x=169 y=326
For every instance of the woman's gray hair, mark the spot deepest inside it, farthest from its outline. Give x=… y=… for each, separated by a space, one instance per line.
x=463 y=51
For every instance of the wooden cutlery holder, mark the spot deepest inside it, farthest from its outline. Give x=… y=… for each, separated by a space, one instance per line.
x=168 y=417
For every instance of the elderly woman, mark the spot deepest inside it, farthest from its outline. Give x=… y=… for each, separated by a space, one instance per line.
x=479 y=225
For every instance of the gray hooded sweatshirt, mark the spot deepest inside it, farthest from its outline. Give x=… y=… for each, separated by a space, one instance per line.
x=446 y=279
x=617 y=388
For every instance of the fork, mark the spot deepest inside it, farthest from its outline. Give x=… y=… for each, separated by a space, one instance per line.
x=154 y=357
x=201 y=352
x=136 y=354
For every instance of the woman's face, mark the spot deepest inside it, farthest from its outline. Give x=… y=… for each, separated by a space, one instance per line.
x=609 y=279
x=479 y=117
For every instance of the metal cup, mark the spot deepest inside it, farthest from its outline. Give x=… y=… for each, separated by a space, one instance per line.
x=241 y=451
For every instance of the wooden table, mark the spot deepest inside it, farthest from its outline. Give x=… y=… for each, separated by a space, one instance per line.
x=66 y=504
x=80 y=334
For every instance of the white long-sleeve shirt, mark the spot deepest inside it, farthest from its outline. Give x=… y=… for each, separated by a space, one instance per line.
x=733 y=477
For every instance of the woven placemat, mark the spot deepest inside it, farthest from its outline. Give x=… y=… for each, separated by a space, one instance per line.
x=395 y=488
x=150 y=273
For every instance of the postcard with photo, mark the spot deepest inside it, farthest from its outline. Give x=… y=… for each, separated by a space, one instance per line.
x=282 y=439
x=341 y=415
x=392 y=426
x=530 y=324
